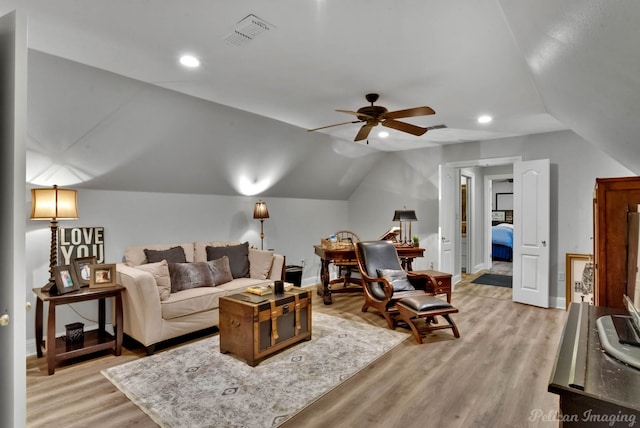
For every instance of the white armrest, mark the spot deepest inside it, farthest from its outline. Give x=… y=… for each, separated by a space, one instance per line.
x=277 y=266
x=140 y=303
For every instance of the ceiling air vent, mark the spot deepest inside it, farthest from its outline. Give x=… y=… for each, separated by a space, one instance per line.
x=247 y=29
x=431 y=128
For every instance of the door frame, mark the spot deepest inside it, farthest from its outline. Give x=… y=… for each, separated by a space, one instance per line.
x=452 y=199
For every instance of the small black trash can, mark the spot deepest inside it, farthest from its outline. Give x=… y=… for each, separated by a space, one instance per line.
x=293 y=274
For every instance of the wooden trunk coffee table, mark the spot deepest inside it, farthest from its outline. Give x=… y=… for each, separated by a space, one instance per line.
x=254 y=327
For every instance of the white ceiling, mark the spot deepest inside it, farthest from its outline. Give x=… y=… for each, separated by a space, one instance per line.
x=107 y=103
x=460 y=58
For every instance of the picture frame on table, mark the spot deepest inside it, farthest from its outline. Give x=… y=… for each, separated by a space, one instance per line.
x=580 y=278
x=82 y=268
x=66 y=280
x=102 y=275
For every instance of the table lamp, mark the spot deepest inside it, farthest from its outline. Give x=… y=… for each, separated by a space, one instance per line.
x=53 y=204
x=405 y=215
x=261 y=212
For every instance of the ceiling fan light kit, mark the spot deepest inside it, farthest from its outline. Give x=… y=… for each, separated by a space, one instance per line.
x=372 y=115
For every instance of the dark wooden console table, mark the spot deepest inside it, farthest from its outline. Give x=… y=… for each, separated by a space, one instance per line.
x=94 y=340
x=328 y=256
x=595 y=389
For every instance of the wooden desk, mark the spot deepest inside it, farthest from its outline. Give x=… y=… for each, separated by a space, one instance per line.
x=328 y=256
x=94 y=340
x=589 y=382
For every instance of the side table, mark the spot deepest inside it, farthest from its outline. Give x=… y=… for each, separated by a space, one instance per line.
x=94 y=340
x=443 y=281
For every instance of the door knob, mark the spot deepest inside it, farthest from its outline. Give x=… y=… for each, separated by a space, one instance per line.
x=544 y=243
x=4 y=320
x=27 y=306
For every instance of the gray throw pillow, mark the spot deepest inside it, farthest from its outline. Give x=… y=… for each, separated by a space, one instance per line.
x=397 y=278
x=172 y=255
x=220 y=270
x=238 y=258
x=190 y=275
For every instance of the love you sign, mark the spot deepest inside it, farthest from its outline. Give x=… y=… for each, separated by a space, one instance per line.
x=79 y=242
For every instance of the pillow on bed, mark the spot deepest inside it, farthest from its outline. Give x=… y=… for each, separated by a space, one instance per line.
x=397 y=278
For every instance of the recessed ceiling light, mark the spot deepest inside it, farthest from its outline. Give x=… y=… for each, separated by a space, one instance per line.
x=189 y=61
x=485 y=119
x=383 y=134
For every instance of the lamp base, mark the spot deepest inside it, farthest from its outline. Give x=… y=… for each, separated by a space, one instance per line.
x=50 y=287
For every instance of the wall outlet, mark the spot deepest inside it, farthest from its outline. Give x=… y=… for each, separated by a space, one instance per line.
x=431 y=264
x=561 y=276
x=302 y=262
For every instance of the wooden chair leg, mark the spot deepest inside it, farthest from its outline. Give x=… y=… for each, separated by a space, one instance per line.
x=453 y=325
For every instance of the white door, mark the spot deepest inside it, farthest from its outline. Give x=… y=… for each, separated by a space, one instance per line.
x=531 y=232
x=447 y=220
x=13 y=119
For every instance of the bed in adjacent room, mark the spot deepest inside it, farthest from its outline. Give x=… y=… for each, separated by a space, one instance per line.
x=502 y=242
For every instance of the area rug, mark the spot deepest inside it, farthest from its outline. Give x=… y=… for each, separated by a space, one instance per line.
x=494 y=279
x=197 y=386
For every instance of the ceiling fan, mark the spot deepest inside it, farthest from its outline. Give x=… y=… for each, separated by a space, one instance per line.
x=373 y=115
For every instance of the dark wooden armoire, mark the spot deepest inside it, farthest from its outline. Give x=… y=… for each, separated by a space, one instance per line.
x=613 y=199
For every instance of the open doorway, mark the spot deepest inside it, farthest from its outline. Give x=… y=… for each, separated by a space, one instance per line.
x=501 y=232
x=465 y=223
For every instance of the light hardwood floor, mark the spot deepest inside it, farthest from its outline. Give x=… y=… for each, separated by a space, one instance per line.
x=495 y=374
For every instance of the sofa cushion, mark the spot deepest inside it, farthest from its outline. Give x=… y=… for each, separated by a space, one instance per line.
x=194 y=300
x=397 y=278
x=135 y=256
x=160 y=272
x=238 y=258
x=172 y=255
x=220 y=270
x=190 y=275
x=200 y=248
x=260 y=262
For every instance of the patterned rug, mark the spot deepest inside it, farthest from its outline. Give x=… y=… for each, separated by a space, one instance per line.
x=197 y=386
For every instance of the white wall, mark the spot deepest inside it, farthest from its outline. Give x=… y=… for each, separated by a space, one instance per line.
x=411 y=178
x=137 y=218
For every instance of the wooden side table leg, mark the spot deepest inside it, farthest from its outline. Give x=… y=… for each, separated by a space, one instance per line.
x=39 y=322
x=117 y=326
x=51 y=339
x=101 y=317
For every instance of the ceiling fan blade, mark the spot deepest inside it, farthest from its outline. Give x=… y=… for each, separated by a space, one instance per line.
x=404 y=127
x=355 y=113
x=410 y=112
x=337 y=124
x=364 y=131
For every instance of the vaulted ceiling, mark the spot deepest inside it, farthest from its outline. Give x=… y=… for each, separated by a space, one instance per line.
x=533 y=65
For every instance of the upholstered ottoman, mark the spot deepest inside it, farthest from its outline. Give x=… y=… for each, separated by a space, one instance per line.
x=410 y=309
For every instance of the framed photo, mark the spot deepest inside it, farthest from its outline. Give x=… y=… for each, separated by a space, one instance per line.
x=579 y=276
x=82 y=267
x=102 y=275
x=65 y=279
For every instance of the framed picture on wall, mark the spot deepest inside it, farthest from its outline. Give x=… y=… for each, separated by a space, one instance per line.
x=579 y=277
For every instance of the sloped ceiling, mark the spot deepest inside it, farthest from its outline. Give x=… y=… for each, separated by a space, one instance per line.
x=109 y=107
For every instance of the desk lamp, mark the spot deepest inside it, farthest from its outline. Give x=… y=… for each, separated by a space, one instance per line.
x=405 y=215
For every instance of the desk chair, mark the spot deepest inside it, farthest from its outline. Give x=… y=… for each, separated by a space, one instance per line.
x=346 y=267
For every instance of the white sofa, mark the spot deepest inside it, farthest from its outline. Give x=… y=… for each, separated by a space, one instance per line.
x=150 y=320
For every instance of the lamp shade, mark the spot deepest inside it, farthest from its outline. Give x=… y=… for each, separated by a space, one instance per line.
x=260 y=211
x=405 y=215
x=54 y=203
